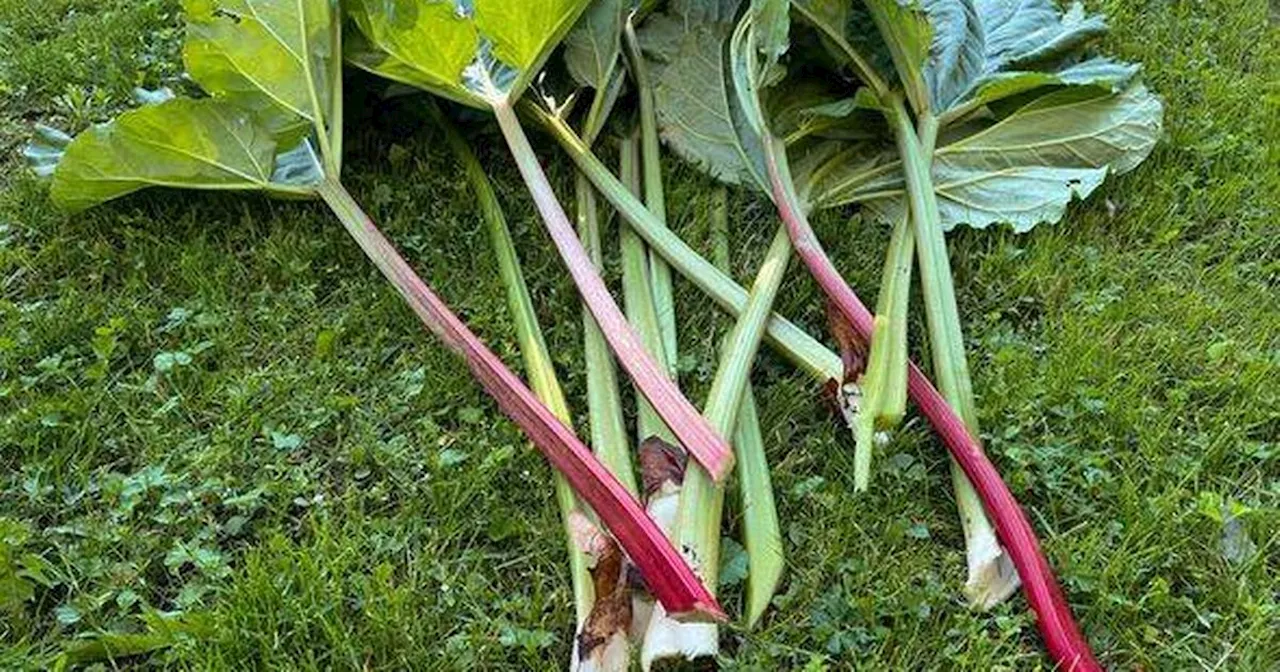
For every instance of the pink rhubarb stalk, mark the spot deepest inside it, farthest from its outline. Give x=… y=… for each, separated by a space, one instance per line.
x=666 y=573
x=702 y=442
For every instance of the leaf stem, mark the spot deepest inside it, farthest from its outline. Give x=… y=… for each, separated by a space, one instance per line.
x=665 y=572
x=637 y=290
x=761 y=530
x=937 y=287
x=604 y=401
x=884 y=399
x=695 y=434
x=654 y=195
x=991 y=577
x=604 y=398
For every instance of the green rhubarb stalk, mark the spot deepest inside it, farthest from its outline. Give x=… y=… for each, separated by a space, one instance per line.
x=604 y=399
x=604 y=402
x=654 y=197
x=762 y=532
x=698 y=516
x=992 y=577
x=533 y=346
x=951 y=369
x=637 y=293
x=884 y=385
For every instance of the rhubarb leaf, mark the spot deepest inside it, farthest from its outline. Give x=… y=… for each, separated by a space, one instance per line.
x=956 y=55
x=196 y=144
x=592 y=48
x=422 y=44
x=1023 y=169
x=476 y=53
x=270 y=56
x=952 y=54
x=271 y=69
x=695 y=97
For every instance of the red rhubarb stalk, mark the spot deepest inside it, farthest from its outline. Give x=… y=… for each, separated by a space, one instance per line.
x=1066 y=644
x=666 y=573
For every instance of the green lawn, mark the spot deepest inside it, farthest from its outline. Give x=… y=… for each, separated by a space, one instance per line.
x=213 y=405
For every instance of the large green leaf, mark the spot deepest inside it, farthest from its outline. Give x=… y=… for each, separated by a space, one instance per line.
x=476 y=52
x=592 y=48
x=693 y=91
x=1022 y=170
x=195 y=144
x=1026 y=44
x=952 y=54
x=1098 y=71
x=423 y=44
x=274 y=56
x=956 y=58
x=1026 y=32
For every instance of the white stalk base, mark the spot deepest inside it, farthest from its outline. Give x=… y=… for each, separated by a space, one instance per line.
x=992 y=576
x=670 y=639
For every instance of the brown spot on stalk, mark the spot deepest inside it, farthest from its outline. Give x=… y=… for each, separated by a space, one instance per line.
x=661 y=462
x=842 y=396
x=853 y=349
x=611 y=614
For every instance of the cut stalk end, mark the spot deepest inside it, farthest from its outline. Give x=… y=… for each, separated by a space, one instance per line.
x=864 y=443
x=668 y=639
x=992 y=576
x=992 y=580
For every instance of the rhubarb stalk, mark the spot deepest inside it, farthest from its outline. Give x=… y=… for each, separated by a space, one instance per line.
x=702 y=442
x=992 y=577
x=761 y=531
x=638 y=294
x=697 y=528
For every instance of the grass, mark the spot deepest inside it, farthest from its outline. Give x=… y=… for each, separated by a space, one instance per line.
x=213 y=405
